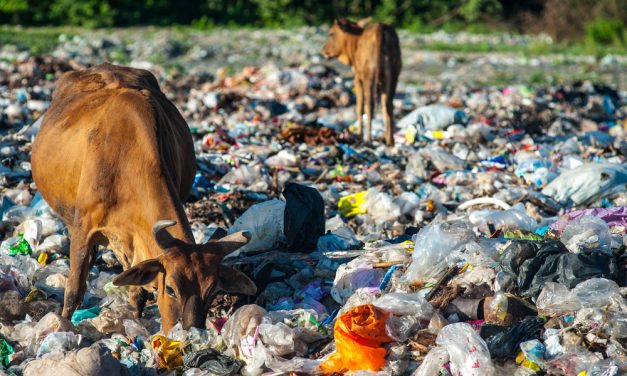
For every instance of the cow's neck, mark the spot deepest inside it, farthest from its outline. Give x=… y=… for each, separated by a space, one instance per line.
x=163 y=206
x=350 y=50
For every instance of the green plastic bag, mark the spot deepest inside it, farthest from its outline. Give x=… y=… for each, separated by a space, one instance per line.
x=5 y=350
x=82 y=314
x=21 y=247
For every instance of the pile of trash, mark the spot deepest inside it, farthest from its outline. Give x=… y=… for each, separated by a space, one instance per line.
x=490 y=240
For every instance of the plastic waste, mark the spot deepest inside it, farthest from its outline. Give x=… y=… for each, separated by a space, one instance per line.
x=513 y=219
x=433 y=363
x=587 y=234
x=550 y=261
x=82 y=314
x=434 y=117
x=354 y=204
x=359 y=336
x=213 y=361
x=303 y=218
x=468 y=352
x=5 y=350
x=380 y=206
x=506 y=343
x=96 y=360
x=265 y=223
x=587 y=183
x=168 y=353
x=556 y=299
x=434 y=249
x=58 y=341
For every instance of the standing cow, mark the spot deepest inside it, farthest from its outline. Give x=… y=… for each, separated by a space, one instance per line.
x=115 y=160
x=374 y=54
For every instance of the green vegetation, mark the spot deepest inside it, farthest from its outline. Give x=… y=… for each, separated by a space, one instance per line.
x=595 y=27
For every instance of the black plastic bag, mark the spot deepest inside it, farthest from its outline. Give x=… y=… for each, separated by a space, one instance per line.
x=213 y=361
x=506 y=342
x=553 y=263
x=304 y=217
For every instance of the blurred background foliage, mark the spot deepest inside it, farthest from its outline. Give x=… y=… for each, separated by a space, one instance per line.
x=600 y=22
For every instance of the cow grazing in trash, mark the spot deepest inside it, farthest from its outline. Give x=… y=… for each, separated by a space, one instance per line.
x=115 y=160
x=374 y=54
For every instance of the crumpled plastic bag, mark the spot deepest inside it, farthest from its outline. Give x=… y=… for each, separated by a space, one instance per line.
x=468 y=351
x=557 y=299
x=434 y=244
x=587 y=183
x=433 y=362
x=433 y=117
x=213 y=361
x=587 y=234
x=352 y=205
x=264 y=222
x=614 y=217
x=243 y=322
x=359 y=335
x=512 y=219
x=380 y=206
x=168 y=352
x=95 y=360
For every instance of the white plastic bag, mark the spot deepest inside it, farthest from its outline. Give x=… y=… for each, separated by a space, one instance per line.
x=433 y=362
x=468 y=351
x=264 y=221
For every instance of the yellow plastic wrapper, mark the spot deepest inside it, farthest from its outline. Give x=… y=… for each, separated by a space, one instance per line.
x=523 y=361
x=42 y=259
x=352 y=205
x=169 y=354
x=359 y=336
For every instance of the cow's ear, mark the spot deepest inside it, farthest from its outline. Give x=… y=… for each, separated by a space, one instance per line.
x=233 y=281
x=140 y=274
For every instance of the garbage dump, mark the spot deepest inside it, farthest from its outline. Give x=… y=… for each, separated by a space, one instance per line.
x=490 y=240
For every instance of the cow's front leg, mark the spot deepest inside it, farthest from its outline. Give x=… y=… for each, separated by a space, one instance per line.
x=80 y=254
x=137 y=296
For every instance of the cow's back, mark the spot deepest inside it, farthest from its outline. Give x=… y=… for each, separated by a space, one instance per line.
x=109 y=132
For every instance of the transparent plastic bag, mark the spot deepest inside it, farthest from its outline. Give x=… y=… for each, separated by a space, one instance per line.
x=433 y=362
x=243 y=322
x=467 y=350
x=434 y=244
x=557 y=299
x=587 y=234
x=513 y=219
x=381 y=207
x=58 y=341
x=405 y=304
x=279 y=338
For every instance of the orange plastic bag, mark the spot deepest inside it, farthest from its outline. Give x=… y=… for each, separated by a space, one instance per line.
x=359 y=334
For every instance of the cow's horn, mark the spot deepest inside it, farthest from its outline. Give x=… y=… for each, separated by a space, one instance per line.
x=227 y=244
x=161 y=235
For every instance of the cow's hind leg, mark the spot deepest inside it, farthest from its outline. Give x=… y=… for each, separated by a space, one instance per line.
x=137 y=296
x=81 y=252
x=388 y=119
x=369 y=104
x=359 y=93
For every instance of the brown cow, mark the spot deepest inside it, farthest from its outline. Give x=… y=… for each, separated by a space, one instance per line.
x=114 y=159
x=374 y=54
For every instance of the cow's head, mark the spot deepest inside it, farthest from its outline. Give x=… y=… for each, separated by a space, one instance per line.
x=189 y=275
x=339 y=34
